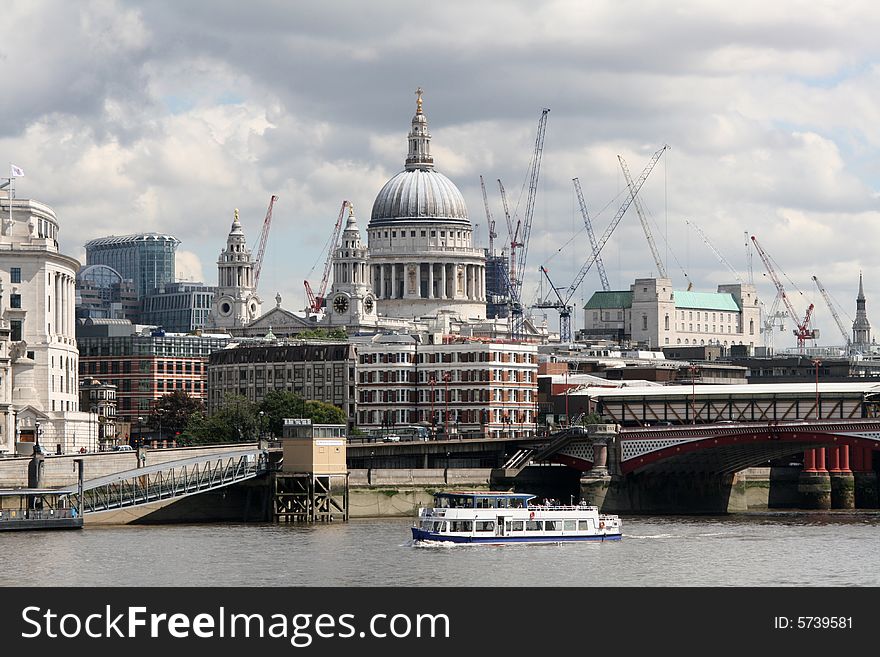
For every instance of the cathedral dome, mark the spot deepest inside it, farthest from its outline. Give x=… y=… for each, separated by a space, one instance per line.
x=419 y=195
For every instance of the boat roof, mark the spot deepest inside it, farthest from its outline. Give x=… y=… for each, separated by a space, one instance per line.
x=486 y=493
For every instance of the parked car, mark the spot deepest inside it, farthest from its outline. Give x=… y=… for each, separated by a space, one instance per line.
x=391 y=438
x=123 y=448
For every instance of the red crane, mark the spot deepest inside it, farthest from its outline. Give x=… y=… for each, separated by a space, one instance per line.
x=803 y=332
x=316 y=301
x=264 y=238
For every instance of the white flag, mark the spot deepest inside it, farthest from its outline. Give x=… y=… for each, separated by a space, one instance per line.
x=15 y=171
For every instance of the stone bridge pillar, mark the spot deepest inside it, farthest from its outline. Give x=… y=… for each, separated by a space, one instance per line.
x=814 y=483
x=606 y=462
x=842 y=481
x=864 y=478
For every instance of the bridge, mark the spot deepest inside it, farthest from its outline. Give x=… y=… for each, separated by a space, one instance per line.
x=166 y=481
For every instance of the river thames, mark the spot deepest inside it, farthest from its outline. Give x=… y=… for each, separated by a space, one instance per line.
x=757 y=549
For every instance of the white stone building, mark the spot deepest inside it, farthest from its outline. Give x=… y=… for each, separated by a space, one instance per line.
x=653 y=313
x=422 y=257
x=236 y=303
x=38 y=300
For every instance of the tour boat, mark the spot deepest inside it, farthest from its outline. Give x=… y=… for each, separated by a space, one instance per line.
x=498 y=517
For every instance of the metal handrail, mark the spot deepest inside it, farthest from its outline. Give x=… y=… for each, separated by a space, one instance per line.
x=174 y=479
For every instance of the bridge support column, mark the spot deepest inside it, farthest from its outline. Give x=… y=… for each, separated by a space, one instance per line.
x=595 y=482
x=814 y=483
x=842 y=481
x=865 y=479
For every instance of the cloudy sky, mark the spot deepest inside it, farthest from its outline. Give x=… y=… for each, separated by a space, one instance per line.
x=165 y=116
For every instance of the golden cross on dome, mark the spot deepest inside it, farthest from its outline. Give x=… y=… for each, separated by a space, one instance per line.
x=236 y=214
x=350 y=210
x=419 y=101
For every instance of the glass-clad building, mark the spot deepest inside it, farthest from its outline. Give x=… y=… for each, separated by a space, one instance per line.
x=145 y=258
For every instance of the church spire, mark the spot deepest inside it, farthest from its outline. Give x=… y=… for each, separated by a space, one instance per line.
x=861 y=325
x=861 y=296
x=419 y=156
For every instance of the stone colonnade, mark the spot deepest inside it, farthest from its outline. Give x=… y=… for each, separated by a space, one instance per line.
x=421 y=280
x=63 y=298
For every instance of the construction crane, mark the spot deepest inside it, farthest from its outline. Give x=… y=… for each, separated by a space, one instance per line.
x=490 y=221
x=661 y=268
x=264 y=238
x=803 y=332
x=717 y=253
x=846 y=337
x=316 y=301
x=603 y=277
x=562 y=303
x=770 y=321
x=519 y=234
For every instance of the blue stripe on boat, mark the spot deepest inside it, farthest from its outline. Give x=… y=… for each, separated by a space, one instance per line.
x=422 y=535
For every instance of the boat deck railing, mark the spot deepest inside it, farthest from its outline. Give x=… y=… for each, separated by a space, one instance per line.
x=562 y=507
x=19 y=515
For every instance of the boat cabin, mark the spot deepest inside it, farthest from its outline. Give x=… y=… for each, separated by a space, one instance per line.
x=482 y=500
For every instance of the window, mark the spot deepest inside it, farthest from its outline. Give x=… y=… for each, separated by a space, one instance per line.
x=485 y=525
x=534 y=525
x=15 y=301
x=570 y=525
x=15 y=274
x=583 y=525
x=15 y=332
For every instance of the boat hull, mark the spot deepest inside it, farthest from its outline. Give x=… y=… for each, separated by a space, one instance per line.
x=422 y=535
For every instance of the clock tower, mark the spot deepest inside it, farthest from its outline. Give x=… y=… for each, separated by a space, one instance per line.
x=236 y=303
x=351 y=301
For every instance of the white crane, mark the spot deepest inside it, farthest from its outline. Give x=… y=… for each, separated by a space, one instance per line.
x=847 y=341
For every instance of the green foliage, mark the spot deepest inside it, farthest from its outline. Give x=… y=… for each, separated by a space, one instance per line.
x=323 y=334
x=235 y=421
x=172 y=412
x=593 y=418
x=239 y=420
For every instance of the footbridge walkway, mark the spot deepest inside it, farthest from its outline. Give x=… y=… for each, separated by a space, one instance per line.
x=166 y=481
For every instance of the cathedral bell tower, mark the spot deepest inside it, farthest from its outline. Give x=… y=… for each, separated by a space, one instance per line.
x=351 y=301
x=236 y=303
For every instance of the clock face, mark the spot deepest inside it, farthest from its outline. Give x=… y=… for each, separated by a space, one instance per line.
x=340 y=304
x=368 y=304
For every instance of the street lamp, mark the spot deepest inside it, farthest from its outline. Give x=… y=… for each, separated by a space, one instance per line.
x=817 y=362
x=38 y=431
x=260 y=428
x=693 y=371
x=140 y=438
x=159 y=413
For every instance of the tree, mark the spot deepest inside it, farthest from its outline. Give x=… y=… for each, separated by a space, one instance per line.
x=173 y=411
x=323 y=334
x=235 y=421
x=279 y=404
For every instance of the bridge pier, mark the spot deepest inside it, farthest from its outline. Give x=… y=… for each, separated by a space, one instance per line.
x=864 y=478
x=814 y=483
x=594 y=483
x=842 y=481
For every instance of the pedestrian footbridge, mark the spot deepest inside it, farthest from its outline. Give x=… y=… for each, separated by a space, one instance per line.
x=165 y=481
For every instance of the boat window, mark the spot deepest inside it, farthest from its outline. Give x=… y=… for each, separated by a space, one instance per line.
x=462 y=526
x=516 y=503
x=584 y=525
x=485 y=525
x=438 y=526
x=515 y=525
x=553 y=525
x=483 y=503
x=570 y=525
x=534 y=525
x=501 y=502
x=443 y=502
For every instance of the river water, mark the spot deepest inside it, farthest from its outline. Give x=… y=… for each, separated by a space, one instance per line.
x=755 y=549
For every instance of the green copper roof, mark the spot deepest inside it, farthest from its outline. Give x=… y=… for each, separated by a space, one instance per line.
x=610 y=299
x=705 y=301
